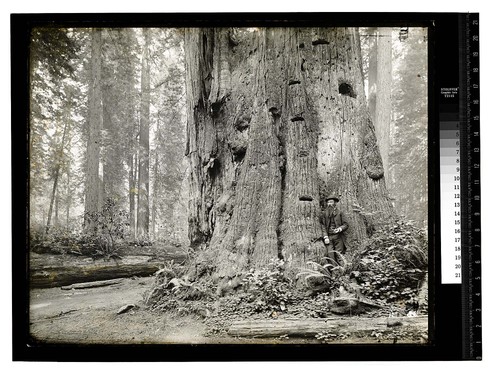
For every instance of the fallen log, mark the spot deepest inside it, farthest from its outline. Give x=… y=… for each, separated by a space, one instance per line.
x=92 y=284
x=311 y=327
x=67 y=273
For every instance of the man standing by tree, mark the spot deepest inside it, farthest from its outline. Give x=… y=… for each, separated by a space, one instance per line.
x=333 y=225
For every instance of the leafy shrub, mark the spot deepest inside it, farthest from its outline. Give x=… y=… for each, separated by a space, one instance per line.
x=391 y=265
x=390 y=282
x=325 y=276
x=59 y=240
x=104 y=229
x=271 y=289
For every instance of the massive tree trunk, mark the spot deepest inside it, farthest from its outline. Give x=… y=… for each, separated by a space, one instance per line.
x=277 y=120
x=92 y=182
x=143 y=197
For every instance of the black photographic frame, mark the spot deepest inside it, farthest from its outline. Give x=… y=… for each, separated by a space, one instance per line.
x=447 y=330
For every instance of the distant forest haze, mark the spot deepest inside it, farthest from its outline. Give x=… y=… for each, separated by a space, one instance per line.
x=108 y=122
x=227 y=140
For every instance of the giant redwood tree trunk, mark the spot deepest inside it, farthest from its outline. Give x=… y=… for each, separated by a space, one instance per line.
x=277 y=120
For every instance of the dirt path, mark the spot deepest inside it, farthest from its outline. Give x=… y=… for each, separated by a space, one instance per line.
x=90 y=316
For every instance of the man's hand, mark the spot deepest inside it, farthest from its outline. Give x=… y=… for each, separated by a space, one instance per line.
x=337 y=230
x=327 y=240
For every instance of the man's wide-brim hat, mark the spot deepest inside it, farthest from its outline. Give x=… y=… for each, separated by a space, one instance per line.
x=332 y=197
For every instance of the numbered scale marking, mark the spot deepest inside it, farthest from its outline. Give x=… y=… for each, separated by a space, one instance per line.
x=451 y=249
x=471 y=226
x=460 y=185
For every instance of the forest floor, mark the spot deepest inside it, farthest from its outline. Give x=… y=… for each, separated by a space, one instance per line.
x=93 y=315
x=90 y=316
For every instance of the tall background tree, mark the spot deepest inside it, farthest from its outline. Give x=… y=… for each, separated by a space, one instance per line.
x=380 y=84
x=85 y=127
x=408 y=166
x=93 y=182
x=121 y=72
x=168 y=163
x=54 y=120
x=277 y=120
x=143 y=156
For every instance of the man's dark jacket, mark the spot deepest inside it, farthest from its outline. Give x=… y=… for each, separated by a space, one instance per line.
x=331 y=219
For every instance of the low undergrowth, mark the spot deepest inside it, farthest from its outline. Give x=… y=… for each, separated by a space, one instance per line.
x=380 y=278
x=391 y=266
x=106 y=236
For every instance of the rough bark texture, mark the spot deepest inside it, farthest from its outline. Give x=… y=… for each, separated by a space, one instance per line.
x=92 y=183
x=277 y=120
x=143 y=197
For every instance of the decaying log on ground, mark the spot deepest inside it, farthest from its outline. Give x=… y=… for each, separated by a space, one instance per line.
x=52 y=275
x=311 y=327
x=92 y=284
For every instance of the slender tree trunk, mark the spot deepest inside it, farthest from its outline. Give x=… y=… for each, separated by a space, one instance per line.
x=102 y=193
x=383 y=98
x=143 y=184
x=155 y=176
x=132 y=193
x=68 y=195
x=92 y=183
x=277 y=120
x=58 y=161
x=155 y=196
x=372 y=70
x=56 y=209
x=136 y=184
x=108 y=157
x=52 y=198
